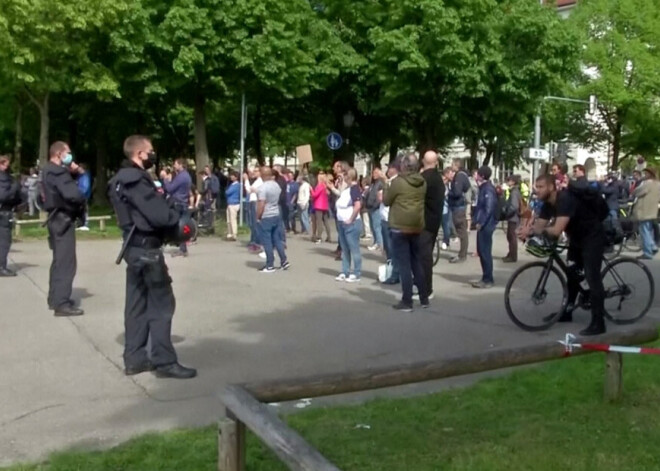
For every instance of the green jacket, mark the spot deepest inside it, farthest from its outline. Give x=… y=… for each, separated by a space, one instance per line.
x=405 y=197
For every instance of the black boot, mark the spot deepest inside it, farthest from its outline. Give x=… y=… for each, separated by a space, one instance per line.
x=596 y=327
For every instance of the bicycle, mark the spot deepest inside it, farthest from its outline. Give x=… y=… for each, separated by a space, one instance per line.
x=629 y=289
x=632 y=242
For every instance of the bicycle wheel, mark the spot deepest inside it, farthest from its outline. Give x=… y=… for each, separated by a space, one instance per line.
x=436 y=254
x=629 y=290
x=614 y=251
x=535 y=296
x=633 y=243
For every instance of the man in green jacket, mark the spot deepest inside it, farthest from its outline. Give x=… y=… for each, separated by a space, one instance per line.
x=405 y=197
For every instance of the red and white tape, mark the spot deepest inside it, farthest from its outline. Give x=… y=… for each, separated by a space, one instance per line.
x=570 y=344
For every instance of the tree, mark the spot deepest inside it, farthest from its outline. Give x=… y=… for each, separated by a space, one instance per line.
x=50 y=47
x=620 y=44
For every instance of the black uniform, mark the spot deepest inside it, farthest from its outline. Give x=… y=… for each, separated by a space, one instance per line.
x=149 y=297
x=64 y=205
x=9 y=197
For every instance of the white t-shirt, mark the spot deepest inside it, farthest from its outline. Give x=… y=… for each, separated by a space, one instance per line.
x=304 y=193
x=385 y=210
x=255 y=185
x=346 y=201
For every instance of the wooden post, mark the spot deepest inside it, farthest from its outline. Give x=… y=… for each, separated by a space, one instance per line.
x=613 y=376
x=231 y=445
x=102 y=224
x=17 y=229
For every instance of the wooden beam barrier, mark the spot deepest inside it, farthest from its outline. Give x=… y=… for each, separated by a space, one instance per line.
x=328 y=385
x=290 y=447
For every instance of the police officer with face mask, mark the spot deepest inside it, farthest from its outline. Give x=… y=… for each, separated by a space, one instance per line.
x=64 y=205
x=148 y=221
x=10 y=192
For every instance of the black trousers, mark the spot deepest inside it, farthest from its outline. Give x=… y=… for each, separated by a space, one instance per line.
x=5 y=237
x=511 y=228
x=62 y=241
x=426 y=246
x=149 y=308
x=588 y=257
x=407 y=254
x=461 y=226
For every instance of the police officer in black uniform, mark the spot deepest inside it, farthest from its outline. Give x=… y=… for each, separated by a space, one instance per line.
x=64 y=204
x=10 y=193
x=146 y=219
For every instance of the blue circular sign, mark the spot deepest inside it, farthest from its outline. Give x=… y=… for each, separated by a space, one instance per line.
x=334 y=140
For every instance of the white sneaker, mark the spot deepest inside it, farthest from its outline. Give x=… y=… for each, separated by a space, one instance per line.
x=352 y=279
x=341 y=277
x=444 y=246
x=83 y=228
x=372 y=248
x=262 y=255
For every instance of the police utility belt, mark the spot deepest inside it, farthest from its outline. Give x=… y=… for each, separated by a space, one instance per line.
x=143 y=240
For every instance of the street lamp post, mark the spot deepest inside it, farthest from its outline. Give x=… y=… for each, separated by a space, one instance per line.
x=349 y=120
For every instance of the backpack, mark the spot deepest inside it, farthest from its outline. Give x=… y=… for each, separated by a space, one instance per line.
x=591 y=197
x=215 y=185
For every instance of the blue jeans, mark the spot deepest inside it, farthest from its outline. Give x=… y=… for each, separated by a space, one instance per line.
x=648 y=239
x=389 y=251
x=446 y=227
x=485 y=250
x=252 y=222
x=183 y=210
x=375 y=222
x=271 y=235
x=349 y=241
x=407 y=253
x=304 y=219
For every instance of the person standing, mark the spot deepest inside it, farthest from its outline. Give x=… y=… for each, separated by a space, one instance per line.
x=269 y=219
x=252 y=184
x=405 y=197
x=304 y=196
x=486 y=218
x=178 y=189
x=349 y=225
x=646 y=212
x=447 y=176
x=292 y=188
x=64 y=205
x=321 y=209
x=372 y=202
x=434 y=200
x=85 y=187
x=32 y=184
x=145 y=218
x=513 y=211
x=391 y=174
x=233 y=195
x=10 y=195
x=460 y=186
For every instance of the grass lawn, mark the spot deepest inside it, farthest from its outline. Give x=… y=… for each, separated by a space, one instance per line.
x=36 y=232
x=547 y=418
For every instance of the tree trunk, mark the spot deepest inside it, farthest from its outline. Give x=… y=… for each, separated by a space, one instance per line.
x=101 y=177
x=473 y=163
x=616 y=147
x=43 y=130
x=394 y=149
x=256 y=135
x=18 y=143
x=201 y=147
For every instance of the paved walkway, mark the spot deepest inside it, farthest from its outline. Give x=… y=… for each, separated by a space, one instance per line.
x=62 y=383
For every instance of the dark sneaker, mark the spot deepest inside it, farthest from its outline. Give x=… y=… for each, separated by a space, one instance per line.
x=6 y=273
x=137 y=369
x=285 y=265
x=180 y=254
x=68 y=311
x=267 y=270
x=175 y=371
x=401 y=307
x=457 y=259
x=509 y=260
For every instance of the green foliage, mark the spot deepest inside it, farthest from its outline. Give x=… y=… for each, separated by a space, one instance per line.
x=620 y=40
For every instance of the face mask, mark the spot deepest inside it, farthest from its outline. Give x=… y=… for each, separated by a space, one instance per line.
x=67 y=159
x=151 y=160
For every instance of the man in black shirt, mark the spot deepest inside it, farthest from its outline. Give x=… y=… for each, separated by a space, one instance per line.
x=146 y=218
x=433 y=204
x=581 y=222
x=10 y=193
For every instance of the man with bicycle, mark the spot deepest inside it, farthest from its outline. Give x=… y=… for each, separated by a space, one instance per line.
x=577 y=212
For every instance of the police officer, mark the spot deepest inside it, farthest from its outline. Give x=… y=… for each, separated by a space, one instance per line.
x=146 y=219
x=10 y=192
x=64 y=205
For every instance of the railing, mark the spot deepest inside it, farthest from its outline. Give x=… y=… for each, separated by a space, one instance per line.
x=245 y=403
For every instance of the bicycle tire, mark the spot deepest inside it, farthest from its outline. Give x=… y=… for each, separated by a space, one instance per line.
x=611 y=267
x=616 y=251
x=436 y=253
x=507 y=301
